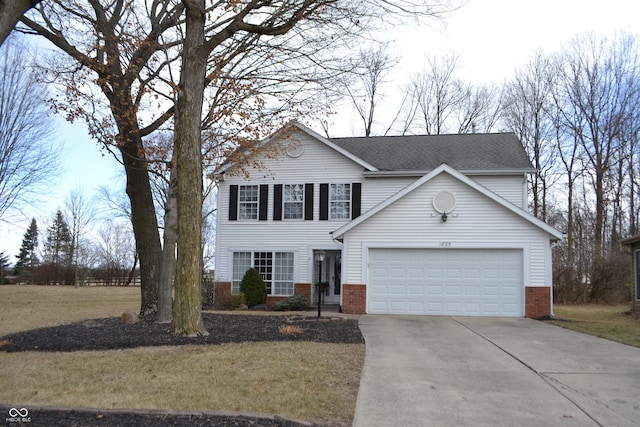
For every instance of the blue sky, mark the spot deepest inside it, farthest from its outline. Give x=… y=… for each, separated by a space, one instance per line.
x=492 y=37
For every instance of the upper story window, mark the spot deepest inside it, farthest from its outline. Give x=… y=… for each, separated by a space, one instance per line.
x=248 y=202
x=340 y=201
x=293 y=201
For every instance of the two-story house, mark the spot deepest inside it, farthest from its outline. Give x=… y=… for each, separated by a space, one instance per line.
x=405 y=224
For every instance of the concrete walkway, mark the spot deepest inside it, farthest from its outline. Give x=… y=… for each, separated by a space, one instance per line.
x=469 y=371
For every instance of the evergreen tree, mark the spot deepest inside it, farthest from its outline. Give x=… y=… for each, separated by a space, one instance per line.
x=4 y=264
x=27 y=258
x=58 y=250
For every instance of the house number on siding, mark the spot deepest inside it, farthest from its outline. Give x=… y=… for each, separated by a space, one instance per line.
x=445 y=244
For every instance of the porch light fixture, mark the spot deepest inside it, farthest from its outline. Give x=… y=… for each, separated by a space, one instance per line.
x=444 y=203
x=319 y=256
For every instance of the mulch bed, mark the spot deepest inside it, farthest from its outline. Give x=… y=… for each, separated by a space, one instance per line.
x=110 y=334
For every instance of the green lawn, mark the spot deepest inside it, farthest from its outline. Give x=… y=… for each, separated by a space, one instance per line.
x=613 y=322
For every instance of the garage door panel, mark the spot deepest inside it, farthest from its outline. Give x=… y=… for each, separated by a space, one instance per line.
x=473 y=282
x=472 y=291
x=434 y=290
x=397 y=290
x=415 y=290
x=453 y=290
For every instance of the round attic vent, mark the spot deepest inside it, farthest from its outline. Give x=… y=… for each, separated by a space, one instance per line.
x=295 y=148
x=444 y=202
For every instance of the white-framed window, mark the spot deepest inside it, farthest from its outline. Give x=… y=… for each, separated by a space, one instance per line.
x=248 y=196
x=276 y=269
x=242 y=261
x=293 y=201
x=283 y=274
x=340 y=201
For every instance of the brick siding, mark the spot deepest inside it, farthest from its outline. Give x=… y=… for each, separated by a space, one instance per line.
x=537 y=302
x=354 y=299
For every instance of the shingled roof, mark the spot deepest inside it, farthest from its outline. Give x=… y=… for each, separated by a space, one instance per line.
x=475 y=152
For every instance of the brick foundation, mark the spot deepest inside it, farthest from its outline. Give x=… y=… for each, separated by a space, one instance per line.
x=537 y=302
x=303 y=289
x=354 y=299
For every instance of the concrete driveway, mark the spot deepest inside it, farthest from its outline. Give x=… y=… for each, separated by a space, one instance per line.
x=470 y=371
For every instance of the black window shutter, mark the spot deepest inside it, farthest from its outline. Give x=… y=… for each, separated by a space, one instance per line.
x=308 y=202
x=356 y=196
x=264 y=195
x=233 y=203
x=324 y=202
x=277 y=202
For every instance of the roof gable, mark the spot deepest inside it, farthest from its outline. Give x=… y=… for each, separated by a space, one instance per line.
x=340 y=232
x=283 y=136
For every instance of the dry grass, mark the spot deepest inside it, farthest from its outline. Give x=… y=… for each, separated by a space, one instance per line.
x=290 y=330
x=309 y=381
x=27 y=307
x=612 y=322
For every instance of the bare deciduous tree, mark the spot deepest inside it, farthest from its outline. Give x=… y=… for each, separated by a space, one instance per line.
x=527 y=111
x=28 y=156
x=598 y=92
x=80 y=211
x=364 y=84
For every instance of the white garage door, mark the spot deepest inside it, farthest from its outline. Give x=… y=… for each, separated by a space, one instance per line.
x=452 y=282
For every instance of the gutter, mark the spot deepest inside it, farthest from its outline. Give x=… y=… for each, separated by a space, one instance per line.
x=468 y=172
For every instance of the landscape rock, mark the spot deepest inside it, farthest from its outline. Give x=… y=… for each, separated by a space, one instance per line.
x=129 y=318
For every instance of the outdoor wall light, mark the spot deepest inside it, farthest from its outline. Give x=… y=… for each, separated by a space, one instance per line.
x=319 y=256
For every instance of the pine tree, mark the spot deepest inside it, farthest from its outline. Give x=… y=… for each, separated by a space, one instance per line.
x=4 y=264
x=27 y=258
x=58 y=250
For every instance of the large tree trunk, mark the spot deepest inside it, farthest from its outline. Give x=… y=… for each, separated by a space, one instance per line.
x=187 y=319
x=10 y=13
x=168 y=265
x=144 y=221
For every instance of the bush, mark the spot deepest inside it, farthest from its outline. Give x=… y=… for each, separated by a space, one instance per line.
x=253 y=288
x=294 y=303
x=230 y=301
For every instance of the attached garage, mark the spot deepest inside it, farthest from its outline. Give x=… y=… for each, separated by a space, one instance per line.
x=452 y=282
x=475 y=255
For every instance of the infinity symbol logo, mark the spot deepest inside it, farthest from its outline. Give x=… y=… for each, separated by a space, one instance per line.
x=18 y=412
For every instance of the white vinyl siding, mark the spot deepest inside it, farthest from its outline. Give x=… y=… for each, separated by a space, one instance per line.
x=510 y=187
x=318 y=164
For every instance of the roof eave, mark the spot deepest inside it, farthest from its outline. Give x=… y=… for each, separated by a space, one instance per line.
x=468 y=172
x=631 y=240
